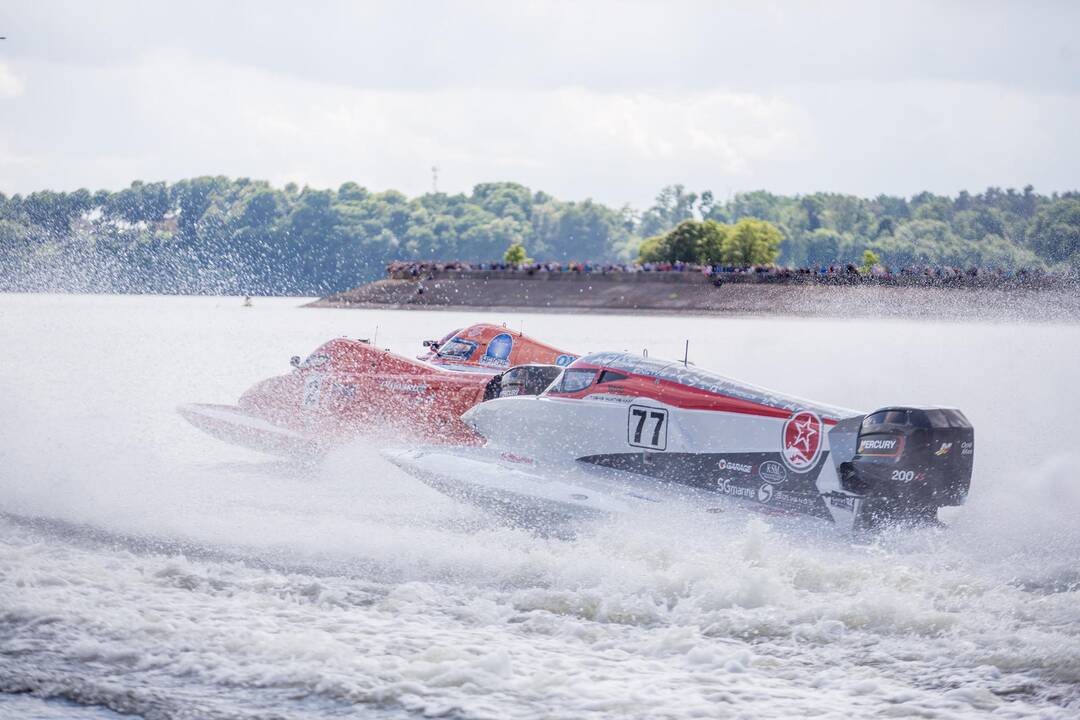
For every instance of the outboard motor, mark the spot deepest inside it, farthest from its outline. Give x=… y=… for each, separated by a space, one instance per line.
x=909 y=462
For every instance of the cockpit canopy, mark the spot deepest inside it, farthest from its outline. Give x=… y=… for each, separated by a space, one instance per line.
x=456 y=349
x=490 y=348
x=665 y=380
x=531 y=379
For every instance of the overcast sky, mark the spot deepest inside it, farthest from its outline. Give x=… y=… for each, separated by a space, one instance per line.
x=609 y=100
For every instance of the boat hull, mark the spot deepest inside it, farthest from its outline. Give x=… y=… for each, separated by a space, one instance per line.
x=234 y=425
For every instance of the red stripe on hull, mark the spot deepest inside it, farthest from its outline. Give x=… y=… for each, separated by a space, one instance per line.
x=681 y=396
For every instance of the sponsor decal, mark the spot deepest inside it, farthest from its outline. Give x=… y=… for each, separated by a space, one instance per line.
x=943 y=450
x=312 y=391
x=801 y=440
x=564 y=360
x=474 y=332
x=403 y=386
x=807 y=502
x=498 y=351
x=727 y=488
x=967 y=448
x=725 y=464
x=646 y=498
x=844 y=502
x=768 y=494
x=772 y=472
x=765 y=493
x=889 y=446
x=346 y=392
x=611 y=397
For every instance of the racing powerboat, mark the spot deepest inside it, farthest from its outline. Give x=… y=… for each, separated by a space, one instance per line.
x=541 y=436
x=347 y=388
x=617 y=432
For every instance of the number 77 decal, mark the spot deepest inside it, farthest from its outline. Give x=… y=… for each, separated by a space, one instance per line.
x=646 y=427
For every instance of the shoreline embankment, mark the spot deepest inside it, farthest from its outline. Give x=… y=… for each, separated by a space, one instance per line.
x=695 y=294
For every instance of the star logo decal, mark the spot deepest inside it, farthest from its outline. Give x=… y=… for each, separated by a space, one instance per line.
x=802 y=440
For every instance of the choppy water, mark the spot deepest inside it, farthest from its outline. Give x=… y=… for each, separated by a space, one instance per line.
x=147 y=569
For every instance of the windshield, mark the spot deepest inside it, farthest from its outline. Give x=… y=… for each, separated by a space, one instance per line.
x=457 y=349
x=574 y=380
x=528 y=380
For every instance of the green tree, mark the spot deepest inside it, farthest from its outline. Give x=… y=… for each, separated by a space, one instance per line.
x=823 y=247
x=515 y=255
x=140 y=203
x=650 y=250
x=711 y=242
x=760 y=204
x=752 y=242
x=869 y=260
x=814 y=208
x=1055 y=233
x=691 y=241
x=583 y=231
x=673 y=206
x=683 y=244
x=504 y=200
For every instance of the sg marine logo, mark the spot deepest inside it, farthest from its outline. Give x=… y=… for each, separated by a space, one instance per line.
x=765 y=493
x=801 y=438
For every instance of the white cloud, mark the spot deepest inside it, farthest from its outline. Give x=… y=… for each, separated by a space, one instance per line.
x=611 y=101
x=181 y=117
x=11 y=85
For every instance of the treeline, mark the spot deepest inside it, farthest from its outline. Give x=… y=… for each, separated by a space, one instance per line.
x=214 y=234
x=240 y=236
x=995 y=229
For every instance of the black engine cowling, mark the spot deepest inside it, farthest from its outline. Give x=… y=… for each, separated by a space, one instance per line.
x=909 y=462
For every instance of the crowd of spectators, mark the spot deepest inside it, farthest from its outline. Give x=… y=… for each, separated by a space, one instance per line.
x=835 y=273
x=719 y=274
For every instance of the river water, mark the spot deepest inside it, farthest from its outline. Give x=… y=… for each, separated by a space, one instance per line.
x=148 y=569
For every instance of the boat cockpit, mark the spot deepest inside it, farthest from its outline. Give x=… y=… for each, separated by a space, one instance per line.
x=531 y=379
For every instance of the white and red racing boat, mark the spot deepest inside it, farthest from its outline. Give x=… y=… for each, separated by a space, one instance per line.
x=616 y=431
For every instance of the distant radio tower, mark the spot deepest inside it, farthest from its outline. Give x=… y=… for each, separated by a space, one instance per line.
x=434 y=179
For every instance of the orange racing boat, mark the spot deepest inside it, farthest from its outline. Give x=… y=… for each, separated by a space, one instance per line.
x=349 y=387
